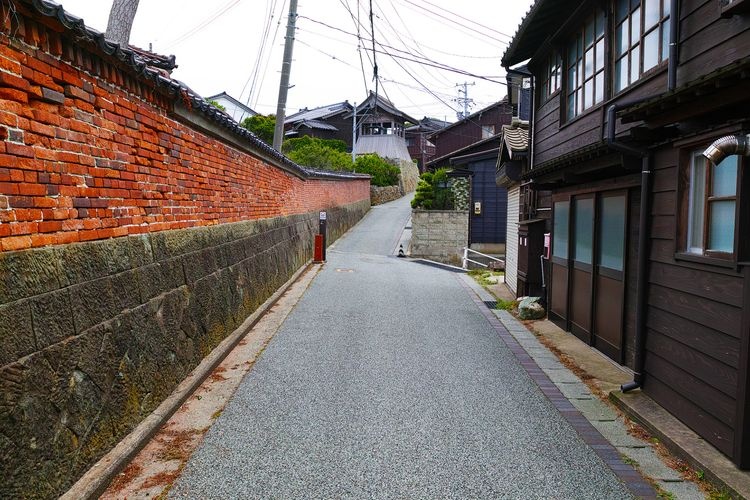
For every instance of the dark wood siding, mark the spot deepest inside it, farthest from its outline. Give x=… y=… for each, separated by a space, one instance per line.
x=469 y=131
x=693 y=323
x=490 y=226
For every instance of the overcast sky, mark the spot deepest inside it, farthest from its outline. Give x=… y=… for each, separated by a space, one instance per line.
x=218 y=43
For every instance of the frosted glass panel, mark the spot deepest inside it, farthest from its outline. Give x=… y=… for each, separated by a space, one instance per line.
x=621 y=39
x=560 y=230
x=634 y=63
x=721 y=231
x=635 y=26
x=621 y=74
x=584 y=237
x=697 y=204
x=651 y=13
x=612 y=232
x=651 y=50
x=664 y=41
x=725 y=177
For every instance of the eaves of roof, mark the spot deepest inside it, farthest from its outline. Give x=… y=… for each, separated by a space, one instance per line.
x=734 y=73
x=132 y=62
x=582 y=154
x=464 y=150
x=542 y=20
x=385 y=105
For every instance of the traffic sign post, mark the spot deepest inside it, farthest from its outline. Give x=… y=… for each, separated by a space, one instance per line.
x=322 y=223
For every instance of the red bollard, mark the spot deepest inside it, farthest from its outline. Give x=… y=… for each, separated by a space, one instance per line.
x=318 y=254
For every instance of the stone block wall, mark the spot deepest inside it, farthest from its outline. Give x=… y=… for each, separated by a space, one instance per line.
x=380 y=195
x=95 y=335
x=439 y=235
x=409 y=176
x=137 y=231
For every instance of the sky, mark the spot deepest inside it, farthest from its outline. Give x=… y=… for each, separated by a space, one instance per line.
x=236 y=46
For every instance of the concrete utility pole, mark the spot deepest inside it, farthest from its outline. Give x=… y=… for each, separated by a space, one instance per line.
x=354 y=131
x=464 y=101
x=121 y=17
x=286 y=69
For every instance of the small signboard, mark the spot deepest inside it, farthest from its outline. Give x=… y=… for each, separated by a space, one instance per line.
x=323 y=216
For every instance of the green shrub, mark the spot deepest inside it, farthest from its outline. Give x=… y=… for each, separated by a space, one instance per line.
x=262 y=126
x=306 y=141
x=433 y=192
x=317 y=155
x=382 y=172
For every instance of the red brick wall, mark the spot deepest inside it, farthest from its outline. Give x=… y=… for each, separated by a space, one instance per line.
x=86 y=157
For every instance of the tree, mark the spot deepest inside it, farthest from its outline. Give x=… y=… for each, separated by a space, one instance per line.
x=262 y=126
x=121 y=17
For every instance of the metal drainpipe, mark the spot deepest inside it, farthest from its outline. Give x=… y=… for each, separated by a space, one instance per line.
x=674 y=43
x=644 y=236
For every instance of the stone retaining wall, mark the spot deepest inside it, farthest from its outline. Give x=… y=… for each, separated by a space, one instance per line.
x=96 y=335
x=409 y=176
x=380 y=195
x=439 y=235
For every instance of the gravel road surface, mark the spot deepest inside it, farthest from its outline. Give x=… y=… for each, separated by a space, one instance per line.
x=386 y=382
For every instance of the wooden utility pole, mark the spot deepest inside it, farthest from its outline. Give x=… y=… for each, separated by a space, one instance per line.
x=286 y=69
x=120 y=22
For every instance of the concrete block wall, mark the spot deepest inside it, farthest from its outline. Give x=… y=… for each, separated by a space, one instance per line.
x=439 y=235
x=135 y=235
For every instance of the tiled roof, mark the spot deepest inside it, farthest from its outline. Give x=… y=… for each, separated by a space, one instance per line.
x=471 y=117
x=383 y=104
x=319 y=113
x=135 y=63
x=316 y=124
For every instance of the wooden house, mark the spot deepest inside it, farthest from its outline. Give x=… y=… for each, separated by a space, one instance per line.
x=381 y=129
x=333 y=121
x=476 y=127
x=421 y=149
x=650 y=259
x=234 y=108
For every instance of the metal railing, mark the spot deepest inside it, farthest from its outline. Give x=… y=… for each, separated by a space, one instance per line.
x=466 y=259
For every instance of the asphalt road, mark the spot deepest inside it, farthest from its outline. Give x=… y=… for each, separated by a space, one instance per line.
x=386 y=382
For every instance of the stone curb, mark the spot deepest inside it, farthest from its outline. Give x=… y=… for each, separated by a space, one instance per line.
x=683 y=442
x=96 y=480
x=607 y=452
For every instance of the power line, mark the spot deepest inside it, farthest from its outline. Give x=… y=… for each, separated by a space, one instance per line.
x=203 y=24
x=466 y=19
x=425 y=61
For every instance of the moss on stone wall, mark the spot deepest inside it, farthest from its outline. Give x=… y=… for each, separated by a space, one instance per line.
x=139 y=314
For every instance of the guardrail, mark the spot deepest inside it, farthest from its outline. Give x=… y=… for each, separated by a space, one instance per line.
x=465 y=261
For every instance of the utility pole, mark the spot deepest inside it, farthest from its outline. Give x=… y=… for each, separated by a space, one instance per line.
x=286 y=69
x=354 y=131
x=464 y=101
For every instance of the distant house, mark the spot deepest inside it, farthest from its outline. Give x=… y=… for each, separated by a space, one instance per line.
x=232 y=106
x=381 y=129
x=476 y=127
x=333 y=121
x=420 y=148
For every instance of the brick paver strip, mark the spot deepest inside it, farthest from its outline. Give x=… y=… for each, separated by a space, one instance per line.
x=592 y=437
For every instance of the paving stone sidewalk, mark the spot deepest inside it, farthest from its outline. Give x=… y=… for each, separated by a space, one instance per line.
x=599 y=414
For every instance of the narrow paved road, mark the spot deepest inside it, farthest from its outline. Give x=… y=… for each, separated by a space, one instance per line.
x=387 y=382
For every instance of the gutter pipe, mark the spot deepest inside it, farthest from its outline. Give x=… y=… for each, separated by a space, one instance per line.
x=642 y=266
x=674 y=43
x=646 y=180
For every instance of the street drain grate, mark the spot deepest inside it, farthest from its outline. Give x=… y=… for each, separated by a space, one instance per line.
x=491 y=304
